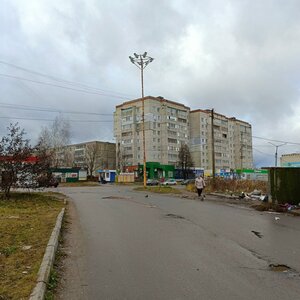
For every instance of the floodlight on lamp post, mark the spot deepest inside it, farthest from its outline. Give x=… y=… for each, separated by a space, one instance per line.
x=142 y=61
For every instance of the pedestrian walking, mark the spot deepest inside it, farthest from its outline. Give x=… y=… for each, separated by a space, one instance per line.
x=200 y=185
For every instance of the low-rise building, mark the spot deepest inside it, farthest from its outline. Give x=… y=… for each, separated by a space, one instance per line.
x=290 y=160
x=92 y=155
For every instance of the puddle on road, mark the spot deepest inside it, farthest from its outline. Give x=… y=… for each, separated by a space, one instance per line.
x=114 y=197
x=257 y=233
x=279 y=268
x=174 y=216
x=128 y=199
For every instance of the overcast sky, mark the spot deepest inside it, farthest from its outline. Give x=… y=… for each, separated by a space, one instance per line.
x=240 y=57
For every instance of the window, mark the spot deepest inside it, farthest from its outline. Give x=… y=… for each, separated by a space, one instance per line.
x=172 y=141
x=127 y=119
x=126 y=127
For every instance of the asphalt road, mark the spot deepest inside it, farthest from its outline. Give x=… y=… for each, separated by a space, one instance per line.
x=128 y=246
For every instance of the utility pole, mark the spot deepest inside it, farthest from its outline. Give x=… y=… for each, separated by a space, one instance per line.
x=141 y=61
x=213 y=145
x=276 y=151
x=241 y=150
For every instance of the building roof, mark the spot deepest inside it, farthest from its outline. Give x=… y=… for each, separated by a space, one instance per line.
x=159 y=98
x=90 y=142
x=291 y=154
x=208 y=111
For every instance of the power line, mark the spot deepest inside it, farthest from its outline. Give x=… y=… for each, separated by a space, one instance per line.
x=62 y=80
x=51 y=120
x=268 y=154
x=60 y=86
x=32 y=108
x=278 y=141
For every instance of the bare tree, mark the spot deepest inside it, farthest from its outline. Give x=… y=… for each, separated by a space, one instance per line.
x=55 y=138
x=69 y=160
x=185 y=161
x=91 y=156
x=122 y=158
x=20 y=164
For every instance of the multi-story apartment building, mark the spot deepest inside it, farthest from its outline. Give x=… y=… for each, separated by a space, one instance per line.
x=166 y=128
x=168 y=124
x=99 y=155
x=232 y=141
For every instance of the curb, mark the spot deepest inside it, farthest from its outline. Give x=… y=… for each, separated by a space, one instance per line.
x=223 y=196
x=38 y=292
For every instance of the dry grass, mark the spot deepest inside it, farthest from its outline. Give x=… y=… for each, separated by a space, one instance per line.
x=231 y=186
x=27 y=219
x=159 y=189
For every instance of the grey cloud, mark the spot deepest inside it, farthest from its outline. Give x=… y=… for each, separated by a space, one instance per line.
x=240 y=57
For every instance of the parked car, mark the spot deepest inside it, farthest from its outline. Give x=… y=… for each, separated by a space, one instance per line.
x=187 y=181
x=169 y=182
x=152 y=182
x=48 y=181
x=53 y=182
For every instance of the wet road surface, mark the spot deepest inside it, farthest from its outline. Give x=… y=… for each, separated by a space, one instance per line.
x=165 y=247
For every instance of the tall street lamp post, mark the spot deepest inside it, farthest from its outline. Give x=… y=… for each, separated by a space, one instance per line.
x=142 y=61
x=276 y=151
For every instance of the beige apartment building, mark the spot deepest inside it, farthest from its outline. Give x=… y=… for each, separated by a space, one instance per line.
x=290 y=160
x=232 y=141
x=99 y=155
x=168 y=124
x=166 y=128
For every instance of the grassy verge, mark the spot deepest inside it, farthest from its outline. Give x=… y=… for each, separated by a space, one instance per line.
x=159 y=189
x=26 y=222
x=79 y=183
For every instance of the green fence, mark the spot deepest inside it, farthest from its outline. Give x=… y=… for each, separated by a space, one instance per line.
x=284 y=185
